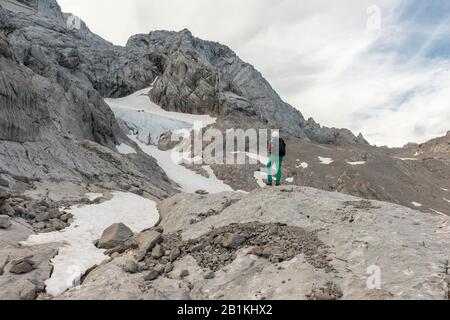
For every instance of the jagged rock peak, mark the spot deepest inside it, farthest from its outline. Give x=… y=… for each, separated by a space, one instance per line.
x=44 y=8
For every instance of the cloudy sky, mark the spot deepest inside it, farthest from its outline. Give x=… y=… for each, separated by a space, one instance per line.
x=377 y=67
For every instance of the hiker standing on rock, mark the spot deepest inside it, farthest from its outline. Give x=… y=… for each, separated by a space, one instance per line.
x=277 y=152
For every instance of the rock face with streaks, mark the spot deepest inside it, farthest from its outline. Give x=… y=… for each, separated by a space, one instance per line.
x=285 y=243
x=54 y=124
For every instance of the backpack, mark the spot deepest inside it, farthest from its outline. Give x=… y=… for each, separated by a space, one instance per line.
x=282 y=148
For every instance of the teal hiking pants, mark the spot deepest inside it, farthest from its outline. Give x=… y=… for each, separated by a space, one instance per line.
x=277 y=161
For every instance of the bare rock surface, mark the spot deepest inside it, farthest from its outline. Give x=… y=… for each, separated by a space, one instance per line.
x=287 y=243
x=5 y=222
x=23 y=270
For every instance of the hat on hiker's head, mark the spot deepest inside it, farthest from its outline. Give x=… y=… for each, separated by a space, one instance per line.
x=276 y=134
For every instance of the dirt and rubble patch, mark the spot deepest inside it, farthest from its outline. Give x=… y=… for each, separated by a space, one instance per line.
x=45 y=215
x=330 y=291
x=360 y=205
x=218 y=248
x=275 y=242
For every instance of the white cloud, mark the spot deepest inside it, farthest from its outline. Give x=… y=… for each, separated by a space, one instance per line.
x=319 y=56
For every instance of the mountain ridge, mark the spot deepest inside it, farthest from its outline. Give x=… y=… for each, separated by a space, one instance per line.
x=71 y=164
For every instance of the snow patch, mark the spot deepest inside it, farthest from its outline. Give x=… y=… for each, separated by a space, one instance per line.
x=407 y=159
x=188 y=180
x=325 y=160
x=443 y=189
x=438 y=212
x=260 y=176
x=302 y=165
x=94 y=196
x=148 y=122
x=79 y=254
x=125 y=149
x=140 y=102
x=149 y=127
x=290 y=180
x=416 y=204
x=357 y=163
x=445 y=199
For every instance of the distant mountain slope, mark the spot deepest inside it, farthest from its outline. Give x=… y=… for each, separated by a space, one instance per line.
x=438 y=148
x=201 y=77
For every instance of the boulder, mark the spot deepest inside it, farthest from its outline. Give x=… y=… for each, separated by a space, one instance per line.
x=160 y=268
x=3 y=262
x=140 y=255
x=40 y=225
x=27 y=291
x=4 y=195
x=169 y=267
x=131 y=266
x=21 y=266
x=42 y=216
x=7 y=210
x=58 y=224
x=233 y=241
x=4 y=182
x=148 y=240
x=5 y=222
x=23 y=213
x=174 y=254
x=114 y=236
x=210 y=275
x=151 y=275
x=157 y=252
x=55 y=213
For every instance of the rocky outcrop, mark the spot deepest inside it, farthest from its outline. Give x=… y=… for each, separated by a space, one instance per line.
x=324 y=135
x=5 y=222
x=23 y=270
x=437 y=149
x=114 y=236
x=310 y=243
